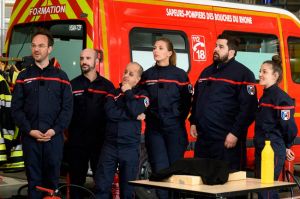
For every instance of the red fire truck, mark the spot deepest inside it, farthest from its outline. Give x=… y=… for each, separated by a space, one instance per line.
x=124 y=30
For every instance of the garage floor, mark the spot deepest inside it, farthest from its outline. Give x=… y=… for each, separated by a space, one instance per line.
x=11 y=182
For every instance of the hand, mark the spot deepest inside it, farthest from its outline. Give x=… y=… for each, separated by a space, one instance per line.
x=125 y=87
x=39 y=136
x=141 y=116
x=230 y=141
x=50 y=133
x=289 y=155
x=193 y=131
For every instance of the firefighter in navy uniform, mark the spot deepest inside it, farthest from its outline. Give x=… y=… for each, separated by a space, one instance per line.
x=124 y=109
x=170 y=94
x=274 y=121
x=224 y=105
x=42 y=108
x=87 y=127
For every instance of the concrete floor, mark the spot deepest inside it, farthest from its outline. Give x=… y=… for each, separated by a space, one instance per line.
x=11 y=182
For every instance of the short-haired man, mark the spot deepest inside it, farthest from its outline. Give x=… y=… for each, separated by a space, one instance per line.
x=124 y=108
x=87 y=128
x=42 y=108
x=224 y=105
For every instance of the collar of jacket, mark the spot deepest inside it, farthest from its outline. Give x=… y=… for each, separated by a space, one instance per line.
x=133 y=88
x=220 y=66
x=271 y=88
x=158 y=67
x=49 y=66
x=98 y=78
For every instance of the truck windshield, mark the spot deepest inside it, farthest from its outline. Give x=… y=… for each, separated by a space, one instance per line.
x=69 y=40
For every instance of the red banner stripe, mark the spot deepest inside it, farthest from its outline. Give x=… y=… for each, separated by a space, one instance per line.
x=140 y=96
x=77 y=10
x=45 y=79
x=225 y=80
x=62 y=16
x=21 y=13
x=165 y=81
x=78 y=91
x=277 y=107
x=90 y=3
x=97 y=91
x=110 y=95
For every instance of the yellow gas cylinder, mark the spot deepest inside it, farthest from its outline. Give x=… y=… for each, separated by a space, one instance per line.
x=267 y=164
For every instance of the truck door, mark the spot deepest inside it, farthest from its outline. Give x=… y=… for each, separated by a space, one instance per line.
x=292 y=42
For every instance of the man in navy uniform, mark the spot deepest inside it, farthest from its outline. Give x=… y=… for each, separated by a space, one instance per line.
x=87 y=128
x=42 y=108
x=224 y=105
x=124 y=108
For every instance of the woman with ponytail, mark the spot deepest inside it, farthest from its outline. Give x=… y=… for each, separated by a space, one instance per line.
x=274 y=121
x=170 y=95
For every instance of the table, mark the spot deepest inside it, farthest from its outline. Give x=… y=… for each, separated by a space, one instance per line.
x=232 y=188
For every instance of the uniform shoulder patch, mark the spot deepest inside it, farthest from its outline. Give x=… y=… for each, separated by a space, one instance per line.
x=190 y=87
x=146 y=102
x=251 y=89
x=285 y=114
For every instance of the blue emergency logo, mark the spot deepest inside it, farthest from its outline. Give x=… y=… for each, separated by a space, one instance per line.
x=191 y=90
x=251 y=89
x=285 y=114
x=146 y=102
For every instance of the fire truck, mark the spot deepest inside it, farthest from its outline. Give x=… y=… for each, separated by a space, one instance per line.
x=124 y=31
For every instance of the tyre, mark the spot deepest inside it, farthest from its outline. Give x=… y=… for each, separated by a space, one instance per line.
x=144 y=173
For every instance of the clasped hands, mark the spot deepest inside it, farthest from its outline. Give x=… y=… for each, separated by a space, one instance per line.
x=42 y=137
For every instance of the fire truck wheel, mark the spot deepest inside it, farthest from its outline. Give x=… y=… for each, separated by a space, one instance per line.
x=144 y=173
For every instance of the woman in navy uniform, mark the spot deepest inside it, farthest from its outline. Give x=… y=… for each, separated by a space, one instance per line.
x=274 y=120
x=170 y=95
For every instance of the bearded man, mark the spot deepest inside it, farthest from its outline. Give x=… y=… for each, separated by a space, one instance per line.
x=224 y=105
x=87 y=128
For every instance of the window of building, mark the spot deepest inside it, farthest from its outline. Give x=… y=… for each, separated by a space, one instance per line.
x=294 y=54
x=255 y=48
x=141 y=45
x=7 y=11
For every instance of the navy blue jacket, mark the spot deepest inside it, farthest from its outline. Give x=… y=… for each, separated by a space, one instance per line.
x=170 y=94
x=42 y=100
x=224 y=101
x=122 y=110
x=88 y=121
x=275 y=119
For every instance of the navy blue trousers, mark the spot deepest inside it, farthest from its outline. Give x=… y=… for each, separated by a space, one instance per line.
x=164 y=147
x=42 y=162
x=236 y=156
x=114 y=156
x=78 y=159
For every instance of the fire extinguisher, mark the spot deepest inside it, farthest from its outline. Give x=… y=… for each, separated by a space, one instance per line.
x=52 y=193
x=55 y=194
x=116 y=187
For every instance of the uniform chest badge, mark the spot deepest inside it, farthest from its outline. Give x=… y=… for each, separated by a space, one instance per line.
x=251 y=89
x=117 y=97
x=78 y=92
x=146 y=102
x=285 y=114
x=191 y=90
x=200 y=80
